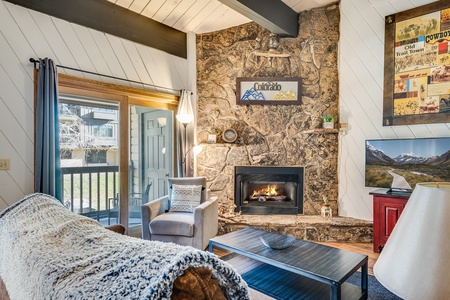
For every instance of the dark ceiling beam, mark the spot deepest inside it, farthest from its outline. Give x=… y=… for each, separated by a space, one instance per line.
x=274 y=15
x=107 y=17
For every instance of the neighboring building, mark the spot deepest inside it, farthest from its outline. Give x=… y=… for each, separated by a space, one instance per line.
x=88 y=135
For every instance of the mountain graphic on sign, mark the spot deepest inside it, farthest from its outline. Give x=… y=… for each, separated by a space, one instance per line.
x=287 y=96
x=252 y=94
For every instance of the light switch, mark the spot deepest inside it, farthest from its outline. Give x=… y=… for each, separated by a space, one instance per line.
x=4 y=164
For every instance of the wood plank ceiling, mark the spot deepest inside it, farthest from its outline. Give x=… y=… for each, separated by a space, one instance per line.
x=201 y=16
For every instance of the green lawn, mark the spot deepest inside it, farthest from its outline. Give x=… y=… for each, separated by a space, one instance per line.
x=95 y=194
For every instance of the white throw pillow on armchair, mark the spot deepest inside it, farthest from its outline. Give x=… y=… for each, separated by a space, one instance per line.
x=185 y=197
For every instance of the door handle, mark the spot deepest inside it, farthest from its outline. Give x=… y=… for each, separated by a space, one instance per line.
x=167 y=175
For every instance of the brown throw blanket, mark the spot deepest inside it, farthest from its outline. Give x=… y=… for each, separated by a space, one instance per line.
x=3 y=291
x=47 y=252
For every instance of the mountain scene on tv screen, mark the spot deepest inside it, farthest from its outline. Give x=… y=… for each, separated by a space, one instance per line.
x=404 y=170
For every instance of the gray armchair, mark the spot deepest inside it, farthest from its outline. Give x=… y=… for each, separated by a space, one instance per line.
x=184 y=228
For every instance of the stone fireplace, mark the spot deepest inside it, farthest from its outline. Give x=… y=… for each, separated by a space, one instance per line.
x=273 y=135
x=268 y=189
x=270 y=135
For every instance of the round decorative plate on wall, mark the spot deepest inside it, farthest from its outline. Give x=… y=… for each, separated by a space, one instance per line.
x=229 y=135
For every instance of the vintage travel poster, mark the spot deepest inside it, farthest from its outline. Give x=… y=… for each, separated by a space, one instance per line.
x=422 y=65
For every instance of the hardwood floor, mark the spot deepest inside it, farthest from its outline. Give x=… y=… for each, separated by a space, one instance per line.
x=363 y=248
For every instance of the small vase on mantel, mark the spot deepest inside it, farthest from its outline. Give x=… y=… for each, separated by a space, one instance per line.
x=325 y=210
x=328 y=122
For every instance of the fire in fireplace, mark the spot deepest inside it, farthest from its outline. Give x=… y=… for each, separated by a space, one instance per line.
x=273 y=192
x=268 y=189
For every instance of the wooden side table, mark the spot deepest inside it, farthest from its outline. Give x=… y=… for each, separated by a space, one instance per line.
x=387 y=208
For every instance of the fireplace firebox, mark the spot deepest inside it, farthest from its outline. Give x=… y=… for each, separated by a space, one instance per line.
x=268 y=189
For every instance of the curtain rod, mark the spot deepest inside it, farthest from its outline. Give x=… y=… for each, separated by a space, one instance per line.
x=36 y=61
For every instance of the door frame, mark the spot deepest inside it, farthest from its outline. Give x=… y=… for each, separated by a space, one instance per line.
x=125 y=96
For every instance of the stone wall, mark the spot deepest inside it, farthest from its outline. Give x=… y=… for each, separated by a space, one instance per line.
x=270 y=134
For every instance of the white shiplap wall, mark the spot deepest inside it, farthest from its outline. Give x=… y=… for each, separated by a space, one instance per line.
x=361 y=63
x=25 y=33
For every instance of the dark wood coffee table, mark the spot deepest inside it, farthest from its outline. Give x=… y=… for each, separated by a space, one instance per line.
x=305 y=270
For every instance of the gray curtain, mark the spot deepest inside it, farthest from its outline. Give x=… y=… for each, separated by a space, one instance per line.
x=185 y=137
x=47 y=177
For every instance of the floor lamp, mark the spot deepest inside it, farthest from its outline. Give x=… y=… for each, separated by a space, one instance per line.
x=196 y=149
x=415 y=261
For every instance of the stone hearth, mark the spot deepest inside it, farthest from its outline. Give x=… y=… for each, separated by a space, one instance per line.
x=312 y=228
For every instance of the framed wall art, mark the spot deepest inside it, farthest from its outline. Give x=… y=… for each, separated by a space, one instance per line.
x=417 y=66
x=267 y=90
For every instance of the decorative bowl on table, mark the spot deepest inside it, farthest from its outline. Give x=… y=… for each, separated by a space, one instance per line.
x=277 y=241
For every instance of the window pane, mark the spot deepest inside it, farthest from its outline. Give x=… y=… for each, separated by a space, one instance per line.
x=90 y=157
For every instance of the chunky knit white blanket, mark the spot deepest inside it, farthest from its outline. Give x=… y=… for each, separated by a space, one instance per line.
x=47 y=252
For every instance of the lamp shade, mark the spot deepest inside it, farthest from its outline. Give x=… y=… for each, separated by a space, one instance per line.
x=185 y=115
x=415 y=261
x=197 y=149
x=185 y=118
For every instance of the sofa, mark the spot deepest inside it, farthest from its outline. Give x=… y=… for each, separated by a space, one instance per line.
x=48 y=252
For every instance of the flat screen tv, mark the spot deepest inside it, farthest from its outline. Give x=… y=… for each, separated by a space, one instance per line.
x=402 y=163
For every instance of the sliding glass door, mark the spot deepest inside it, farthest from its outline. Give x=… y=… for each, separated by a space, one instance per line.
x=117 y=148
x=89 y=142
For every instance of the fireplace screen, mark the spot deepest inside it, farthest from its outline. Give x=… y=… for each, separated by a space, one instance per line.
x=269 y=190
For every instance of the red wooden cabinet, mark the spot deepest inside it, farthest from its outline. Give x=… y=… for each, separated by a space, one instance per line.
x=387 y=208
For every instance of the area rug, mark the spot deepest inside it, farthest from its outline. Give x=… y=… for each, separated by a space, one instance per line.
x=376 y=290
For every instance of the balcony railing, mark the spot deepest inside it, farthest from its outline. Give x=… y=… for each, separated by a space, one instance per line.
x=92 y=191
